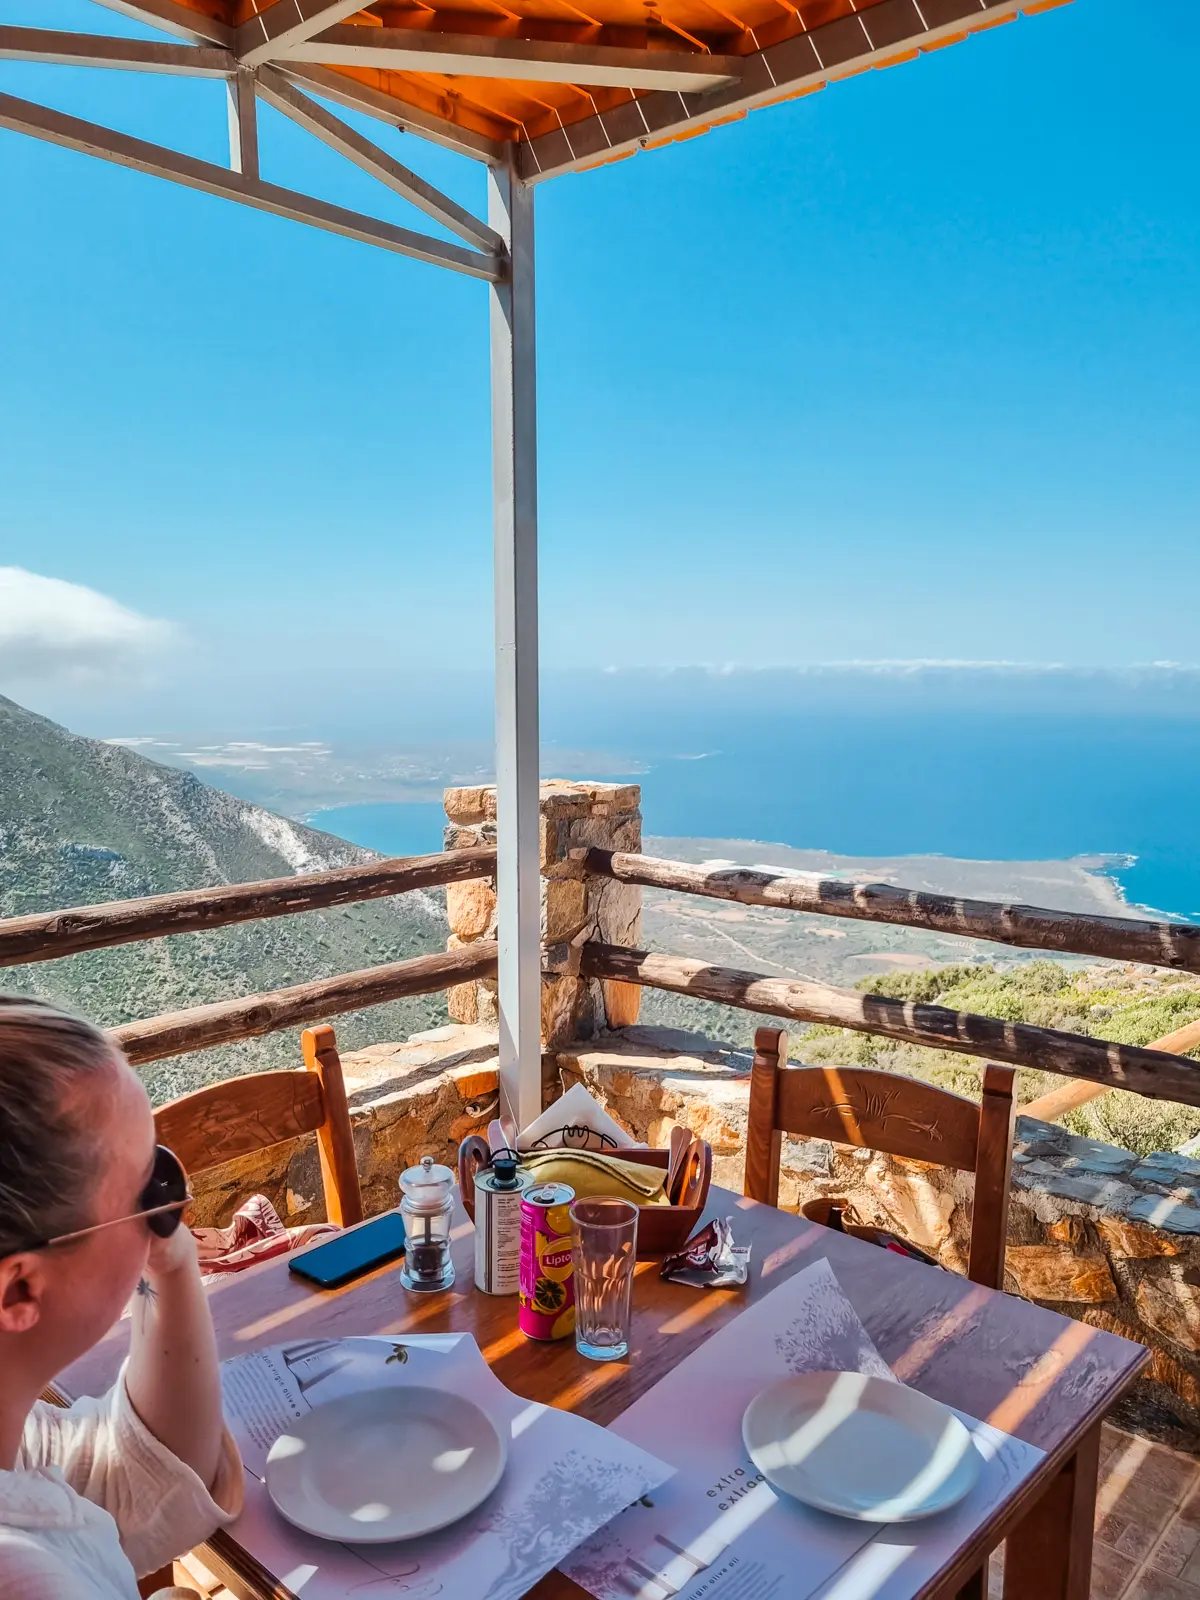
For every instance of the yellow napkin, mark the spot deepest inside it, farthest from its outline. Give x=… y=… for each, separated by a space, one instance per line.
x=594 y=1176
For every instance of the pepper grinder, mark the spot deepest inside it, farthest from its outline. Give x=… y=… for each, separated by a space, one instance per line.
x=427 y=1206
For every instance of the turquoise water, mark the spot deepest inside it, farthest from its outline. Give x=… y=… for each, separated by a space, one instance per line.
x=413 y=829
x=956 y=784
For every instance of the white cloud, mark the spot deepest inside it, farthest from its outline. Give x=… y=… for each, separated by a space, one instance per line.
x=51 y=629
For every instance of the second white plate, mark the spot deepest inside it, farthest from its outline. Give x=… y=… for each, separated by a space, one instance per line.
x=384 y=1464
x=860 y=1447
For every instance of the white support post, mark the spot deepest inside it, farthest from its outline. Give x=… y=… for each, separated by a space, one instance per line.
x=514 y=490
x=243 y=123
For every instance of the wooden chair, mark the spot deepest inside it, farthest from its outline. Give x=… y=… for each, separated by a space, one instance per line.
x=241 y=1115
x=901 y=1116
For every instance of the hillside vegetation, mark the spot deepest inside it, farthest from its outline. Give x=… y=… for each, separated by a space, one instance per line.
x=82 y=821
x=1130 y=1006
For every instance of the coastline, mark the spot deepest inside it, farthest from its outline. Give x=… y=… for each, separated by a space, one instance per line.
x=1081 y=883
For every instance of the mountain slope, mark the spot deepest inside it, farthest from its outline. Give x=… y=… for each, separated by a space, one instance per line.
x=82 y=821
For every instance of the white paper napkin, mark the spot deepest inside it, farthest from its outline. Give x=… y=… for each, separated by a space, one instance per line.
x=576 y=1121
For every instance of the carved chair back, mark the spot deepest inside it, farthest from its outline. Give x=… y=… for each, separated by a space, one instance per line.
x=242 y=1115
x=897 y=1115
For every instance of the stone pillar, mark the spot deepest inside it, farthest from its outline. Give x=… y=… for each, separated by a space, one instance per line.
x=575 y=817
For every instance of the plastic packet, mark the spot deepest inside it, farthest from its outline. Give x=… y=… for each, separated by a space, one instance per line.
x=710 y=1259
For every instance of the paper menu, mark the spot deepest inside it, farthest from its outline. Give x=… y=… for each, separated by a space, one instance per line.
x=565 y=1477
x=716 y=1530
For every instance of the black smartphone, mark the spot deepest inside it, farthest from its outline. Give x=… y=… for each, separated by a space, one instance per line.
x=350 y=1254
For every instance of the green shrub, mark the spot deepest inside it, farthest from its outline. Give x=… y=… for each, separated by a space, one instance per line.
x=1132 y=1007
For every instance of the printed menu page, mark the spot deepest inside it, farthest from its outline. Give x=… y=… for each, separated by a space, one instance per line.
x=716 y=1530
x=565 y=1477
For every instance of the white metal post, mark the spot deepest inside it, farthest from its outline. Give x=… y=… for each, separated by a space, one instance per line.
x=514 y=490
x=243 y=123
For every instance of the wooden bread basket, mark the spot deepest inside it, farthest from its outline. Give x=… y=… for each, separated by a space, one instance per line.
x=662 y=1230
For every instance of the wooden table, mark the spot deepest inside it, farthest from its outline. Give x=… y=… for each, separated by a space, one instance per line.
x=1031 y=1372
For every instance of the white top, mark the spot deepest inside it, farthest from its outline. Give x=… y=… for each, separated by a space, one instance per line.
x=95 y=1499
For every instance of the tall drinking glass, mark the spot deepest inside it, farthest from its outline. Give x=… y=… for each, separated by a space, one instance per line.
x=604 y=1246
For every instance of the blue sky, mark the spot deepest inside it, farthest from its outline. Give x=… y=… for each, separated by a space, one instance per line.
x=907 y=369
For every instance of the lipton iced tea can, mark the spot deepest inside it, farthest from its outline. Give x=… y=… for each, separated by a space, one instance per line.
x=547 y=1305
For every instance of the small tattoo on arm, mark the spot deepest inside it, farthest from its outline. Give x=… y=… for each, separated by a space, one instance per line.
x=146 y=1290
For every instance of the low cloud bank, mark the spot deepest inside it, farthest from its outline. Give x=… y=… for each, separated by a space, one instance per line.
x=51 y=631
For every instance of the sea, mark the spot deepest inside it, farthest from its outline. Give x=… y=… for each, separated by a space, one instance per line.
x=1120 y=790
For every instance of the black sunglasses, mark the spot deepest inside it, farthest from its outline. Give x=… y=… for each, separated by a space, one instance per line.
x=160 y=1203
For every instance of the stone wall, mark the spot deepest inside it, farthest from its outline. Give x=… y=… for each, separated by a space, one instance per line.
x=575 y=817
x=1094 y=1232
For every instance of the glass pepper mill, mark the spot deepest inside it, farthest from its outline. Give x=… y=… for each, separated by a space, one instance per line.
x=427 y=1206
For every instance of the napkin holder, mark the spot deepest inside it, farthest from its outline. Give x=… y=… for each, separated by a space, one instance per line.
x=662 y=1230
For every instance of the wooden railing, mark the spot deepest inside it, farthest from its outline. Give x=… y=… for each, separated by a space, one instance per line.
x=178 y=1032
x=1052 y=1107
x=1159 y=944
x=1073 y=1055
x=51 y=935
x=1100 y=1065
x=1158 y=1073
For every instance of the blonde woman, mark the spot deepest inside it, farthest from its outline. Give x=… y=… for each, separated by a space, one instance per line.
x=90 y=1208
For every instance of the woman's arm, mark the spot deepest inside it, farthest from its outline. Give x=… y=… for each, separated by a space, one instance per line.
x=173 y=1377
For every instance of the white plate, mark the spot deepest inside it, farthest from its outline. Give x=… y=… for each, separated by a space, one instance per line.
x=385 y=1464
x=860 y=1447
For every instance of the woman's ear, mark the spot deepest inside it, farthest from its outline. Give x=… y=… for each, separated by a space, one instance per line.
x=22 y=1284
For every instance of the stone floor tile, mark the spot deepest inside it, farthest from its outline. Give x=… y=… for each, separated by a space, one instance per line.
x=1118 y=1473
x=1191 y=1567
x=1179 y=1545
x=1132 y=1510
x=1149 y=1470
x=1111 y=1572
x=996 y=1575
x=1189 y=1511
x=1168 y=1472
x=1159 y=1586
x=1111 y=1439
x=1134 y=1527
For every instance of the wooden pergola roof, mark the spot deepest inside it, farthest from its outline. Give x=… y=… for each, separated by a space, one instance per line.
x=570 y=83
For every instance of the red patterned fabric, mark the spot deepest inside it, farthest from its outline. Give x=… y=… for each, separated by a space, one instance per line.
x=255 y=1234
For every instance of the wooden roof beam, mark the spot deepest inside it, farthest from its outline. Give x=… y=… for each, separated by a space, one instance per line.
x=484 y=55
x=54 y=47
x=174 y=18
x=872 y=37
x=287 y=23
x=73 y=133
x=277 y=91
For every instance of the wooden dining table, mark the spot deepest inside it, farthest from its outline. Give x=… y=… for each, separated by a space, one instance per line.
x=1032 y=1373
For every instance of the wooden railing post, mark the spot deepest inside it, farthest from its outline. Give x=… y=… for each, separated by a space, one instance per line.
x=993 y=1177
x=764 y=1141
x=335 y=1139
